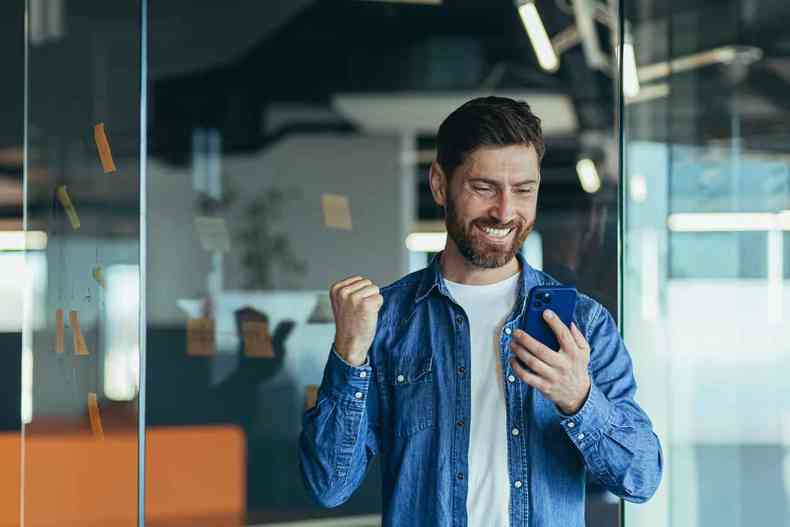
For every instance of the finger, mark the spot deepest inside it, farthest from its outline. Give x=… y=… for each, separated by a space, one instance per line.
x=349 y=290
x=561 y=331
x=538 y=349
x=364 y=292
x=530 y=342
x=375 y=301
x=342 y=283
x=528 y=377
x=533 y=362
x=581 y=342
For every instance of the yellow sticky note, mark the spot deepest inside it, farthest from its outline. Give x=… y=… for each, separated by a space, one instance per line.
x=337 y=211
x=310 y=396
x=79 y=342
x=200 y=337
x=213 y=233
x=95 y=416
x=59 y=332
x=71 y=212
x=257 y=339
x=98 y=275
x=103 y=145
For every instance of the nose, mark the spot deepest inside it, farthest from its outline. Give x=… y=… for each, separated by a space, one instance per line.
x=502 y=209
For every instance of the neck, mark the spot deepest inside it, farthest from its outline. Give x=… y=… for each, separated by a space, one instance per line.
x=458 y=269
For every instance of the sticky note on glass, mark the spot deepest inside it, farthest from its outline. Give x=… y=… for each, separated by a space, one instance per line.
x=71 y=212
x=59 y=332
x=337 y=211
x=103 y=145
x=200 y=337
x=213 y=233
x=257 y=339
x=95 y=416
x=310 y=396
x=79 y=342
x=98 y=275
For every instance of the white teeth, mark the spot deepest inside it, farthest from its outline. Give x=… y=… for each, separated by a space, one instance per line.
x=497 y=233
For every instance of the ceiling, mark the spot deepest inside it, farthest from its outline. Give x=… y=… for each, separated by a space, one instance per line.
x=244 y=69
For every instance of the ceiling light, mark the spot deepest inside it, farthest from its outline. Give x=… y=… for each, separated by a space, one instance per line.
x=547 y=56
x=727 y=221
x=630 y=74
x=15 y=241
x=722 y=55
x=426 y=242
x=588 y=175
x=638 y=188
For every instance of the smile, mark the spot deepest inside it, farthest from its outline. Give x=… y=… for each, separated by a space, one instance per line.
x=497 y=235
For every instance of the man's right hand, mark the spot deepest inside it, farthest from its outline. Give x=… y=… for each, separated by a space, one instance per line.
x=355 y=303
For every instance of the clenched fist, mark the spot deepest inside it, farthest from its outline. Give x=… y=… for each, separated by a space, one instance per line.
x=355 y=302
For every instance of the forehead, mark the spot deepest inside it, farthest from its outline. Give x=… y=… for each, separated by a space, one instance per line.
x=502 y=163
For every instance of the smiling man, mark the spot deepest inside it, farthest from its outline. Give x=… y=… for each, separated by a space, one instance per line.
x=476 y=422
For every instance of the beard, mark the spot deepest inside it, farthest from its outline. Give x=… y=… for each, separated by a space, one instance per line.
x=475 y=248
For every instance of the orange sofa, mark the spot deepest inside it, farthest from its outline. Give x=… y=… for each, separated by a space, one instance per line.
x=194 y=476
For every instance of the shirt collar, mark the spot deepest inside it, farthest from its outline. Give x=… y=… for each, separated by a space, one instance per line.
x=432 y=279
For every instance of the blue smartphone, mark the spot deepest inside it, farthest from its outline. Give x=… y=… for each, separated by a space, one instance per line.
x=560 y=299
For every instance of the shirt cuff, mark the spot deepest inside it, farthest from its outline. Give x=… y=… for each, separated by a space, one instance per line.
x=344 y=381
x=586 y=425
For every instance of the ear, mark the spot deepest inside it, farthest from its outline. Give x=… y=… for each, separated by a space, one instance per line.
x=438 y=182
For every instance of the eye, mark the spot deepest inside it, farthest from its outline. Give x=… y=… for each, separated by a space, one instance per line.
x=482 y=189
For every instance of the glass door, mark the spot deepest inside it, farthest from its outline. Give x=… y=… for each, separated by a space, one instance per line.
x=81 y=348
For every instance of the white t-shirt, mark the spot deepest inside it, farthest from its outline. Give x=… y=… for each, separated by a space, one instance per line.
x=487 y=306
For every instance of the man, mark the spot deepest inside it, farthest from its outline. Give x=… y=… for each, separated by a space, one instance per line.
x=477 y=423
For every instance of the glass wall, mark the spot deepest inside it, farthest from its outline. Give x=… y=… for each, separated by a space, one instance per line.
x=706 y=198
x=289 y=144
x=80 y=350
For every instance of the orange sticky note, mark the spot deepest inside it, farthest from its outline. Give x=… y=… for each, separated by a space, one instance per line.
x=99 y=276
x=79 y=342
x=200 y=337
x=337 y=211
x=59 y=332
x=310 y=396
x=103 y=145
x=95 y=417
x=257 y=339
x=71 y=212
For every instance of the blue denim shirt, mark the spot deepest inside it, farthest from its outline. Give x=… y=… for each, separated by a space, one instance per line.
x=408 y=403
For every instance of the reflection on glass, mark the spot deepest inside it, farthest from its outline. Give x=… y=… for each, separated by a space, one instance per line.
x=708 y=189
x=81 y=216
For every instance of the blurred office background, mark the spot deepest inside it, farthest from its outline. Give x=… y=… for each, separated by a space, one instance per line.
x=263 y=150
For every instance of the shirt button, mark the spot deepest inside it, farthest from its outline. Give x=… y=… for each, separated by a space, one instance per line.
x=460 y=424
x=461 y=370
x=401 y=378
x=459 y=319
x=515 y=431
x=571 y=424
x=517 y=484
x=363 y=374
x=511 y=378
x=580 y=437
x=460 y=475
x=508 y=331
x=358 y=395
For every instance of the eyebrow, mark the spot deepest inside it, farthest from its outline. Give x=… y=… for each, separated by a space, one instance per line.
x=497 y=184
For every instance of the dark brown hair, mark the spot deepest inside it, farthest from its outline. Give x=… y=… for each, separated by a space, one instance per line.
x=486 y=122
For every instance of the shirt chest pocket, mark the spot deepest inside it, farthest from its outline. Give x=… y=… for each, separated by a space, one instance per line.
x=411 y=381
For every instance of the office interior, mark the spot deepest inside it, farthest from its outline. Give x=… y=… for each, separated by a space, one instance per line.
x=180 y=183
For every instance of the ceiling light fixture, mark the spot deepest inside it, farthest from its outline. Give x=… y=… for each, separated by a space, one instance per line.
x=630 y=73
x=588 y=175
x=536 y=31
